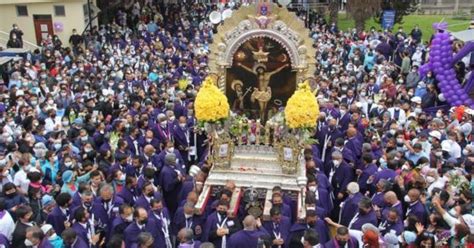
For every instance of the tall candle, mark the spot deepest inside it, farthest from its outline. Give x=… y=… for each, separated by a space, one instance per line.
x=257 y=133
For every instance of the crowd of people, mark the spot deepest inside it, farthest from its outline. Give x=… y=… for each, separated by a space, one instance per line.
x=96 y=144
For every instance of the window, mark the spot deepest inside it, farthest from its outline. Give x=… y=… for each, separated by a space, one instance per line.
x=21 y=10
x=59 y=10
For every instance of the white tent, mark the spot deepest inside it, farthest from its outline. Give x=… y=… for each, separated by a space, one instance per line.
x=465 y=35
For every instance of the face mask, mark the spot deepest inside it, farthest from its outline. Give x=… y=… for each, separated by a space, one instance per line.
x=163 y=123
x=222 y=213
x=182 y=125
x=122 y=177
x=129 y=218
x=393 y=132
x=341 y=243
x=336 y=162
x=312 y=188
x=172 y=118
x=148 y=140
x=407 y=199
x=53 y=237
x=57 y=146
x=87 y=150
x=400 y=141
x=383 y=163
x=27 y=168
x=143 y=222
x=465 y=152
x=170 y=150
x=84 y=138
x=439 y=154
x=87 y=204
x=187 y=216
x=439 y=115
x=68 y=164
x=28 y=243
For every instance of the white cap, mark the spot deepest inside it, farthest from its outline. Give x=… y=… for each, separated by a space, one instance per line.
x=46 y=227
x=416 y=99
x=435 y=134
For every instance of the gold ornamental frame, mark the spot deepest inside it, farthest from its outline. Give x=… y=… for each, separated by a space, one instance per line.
x=280 y=25
x=289 y=166
x=222 y=159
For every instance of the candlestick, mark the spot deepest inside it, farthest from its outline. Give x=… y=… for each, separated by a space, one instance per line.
x=267 y=133
x=257 y=132
x=239 y=140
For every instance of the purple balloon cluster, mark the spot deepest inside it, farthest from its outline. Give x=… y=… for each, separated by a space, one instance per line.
x=441 y=58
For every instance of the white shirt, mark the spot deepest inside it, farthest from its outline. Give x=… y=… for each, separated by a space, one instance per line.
x=7 y=225
x=20 y=180
x=401 y=116
x=50 y=124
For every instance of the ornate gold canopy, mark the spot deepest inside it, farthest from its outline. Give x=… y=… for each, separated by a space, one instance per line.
x=280 y=25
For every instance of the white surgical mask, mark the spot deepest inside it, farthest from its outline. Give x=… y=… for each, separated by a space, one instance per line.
x=129 y=218
x=312 y=188
x=336 y=162
x=407 y=199
x=28 y=242
x=68 y=164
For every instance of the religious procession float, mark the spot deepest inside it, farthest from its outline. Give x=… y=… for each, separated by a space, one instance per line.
x=260 y=63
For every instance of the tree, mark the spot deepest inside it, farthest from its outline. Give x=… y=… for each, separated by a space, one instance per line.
x=333 y=10
x=402 y=8
x=362 y=10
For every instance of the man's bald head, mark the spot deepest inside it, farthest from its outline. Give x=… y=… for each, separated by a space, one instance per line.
x=250 y=223
x=390 y=197
x=351 y=132
x=149 y=150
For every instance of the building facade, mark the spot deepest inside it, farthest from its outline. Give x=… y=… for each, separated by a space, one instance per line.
x=39 y=18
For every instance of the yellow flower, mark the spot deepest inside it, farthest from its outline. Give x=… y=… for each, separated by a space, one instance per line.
x=302 y=109
x=211 y=104
x=182 y=84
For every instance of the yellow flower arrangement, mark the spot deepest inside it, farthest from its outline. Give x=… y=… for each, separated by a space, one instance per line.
x=211 y=104
x=302 y=109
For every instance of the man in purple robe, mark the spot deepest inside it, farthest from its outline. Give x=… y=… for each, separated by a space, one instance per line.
x=141 y=224
x=278 y=228
x=366 y=214
x=312 y=222
x=277 y=201
x=149 y=158
x=161 y=217
x=60 y=214
x=148 y=194
x=386 y=173
x=122 y=220
x=185 y=218
x=107 y=207
x=219 y=227
x=415 y=207
x=365 y=172
x=353 y=143
x=350 y=204
x=169 y=149
x=393 y=223
x=391 y=201
x=249 y=236
x=128 y=192
x=83 y=227
x=342 y=239
x=171 y=179
x=71 y=239
x=162 y=131
x=149 y=139
x=322 y=197
x=182 y=139
x=340 y=175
